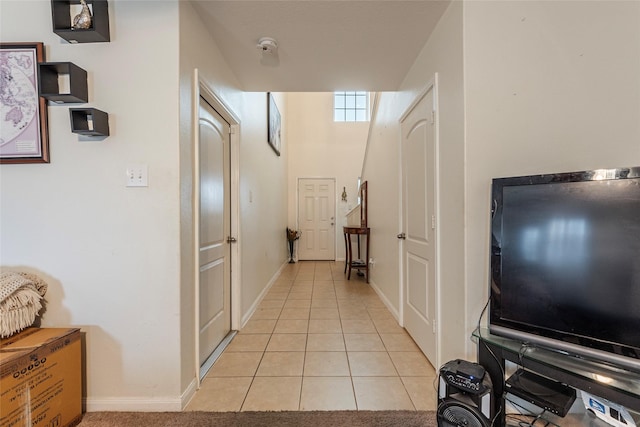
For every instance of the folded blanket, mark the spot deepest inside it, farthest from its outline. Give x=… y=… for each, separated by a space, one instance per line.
x=20 y=301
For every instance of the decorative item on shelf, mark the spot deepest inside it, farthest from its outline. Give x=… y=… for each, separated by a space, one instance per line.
x=292 y=236
x=91 y=25
x=344 y=194
x=73 y=78
x=89 y=121
x=82 y=21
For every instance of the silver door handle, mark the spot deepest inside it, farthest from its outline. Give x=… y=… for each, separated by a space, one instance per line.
x=231 y=239
x=402 y=236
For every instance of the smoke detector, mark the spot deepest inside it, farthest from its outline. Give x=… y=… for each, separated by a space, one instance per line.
x=267 y=45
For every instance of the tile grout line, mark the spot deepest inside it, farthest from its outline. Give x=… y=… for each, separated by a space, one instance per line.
x=364 y=301
x=304 y=358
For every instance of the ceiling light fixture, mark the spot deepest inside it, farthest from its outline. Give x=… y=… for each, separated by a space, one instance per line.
x=267 y=45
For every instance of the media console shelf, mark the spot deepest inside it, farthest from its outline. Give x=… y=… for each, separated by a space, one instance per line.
x=609 y=382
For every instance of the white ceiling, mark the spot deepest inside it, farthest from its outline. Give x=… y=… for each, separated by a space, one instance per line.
x=323 y=45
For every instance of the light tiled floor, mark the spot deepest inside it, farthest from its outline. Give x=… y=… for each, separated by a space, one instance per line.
x=319 y=342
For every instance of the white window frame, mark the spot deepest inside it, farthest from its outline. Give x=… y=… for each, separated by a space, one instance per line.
x=349 y=110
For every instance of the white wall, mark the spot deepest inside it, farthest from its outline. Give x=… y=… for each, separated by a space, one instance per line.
x=262 y=192
x=262 y=178
x=215 y=73
x=560 y=92
x=263 y=198
x=322 y=148
x=118 y=260
x=441 y=54
x=110 y=254
x=549 y=87
x=382 y=171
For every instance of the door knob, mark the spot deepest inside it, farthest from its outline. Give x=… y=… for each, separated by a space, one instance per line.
x=231 y=239
x=402 y=236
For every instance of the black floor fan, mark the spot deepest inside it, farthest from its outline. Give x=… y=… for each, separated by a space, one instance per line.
x=454 y=413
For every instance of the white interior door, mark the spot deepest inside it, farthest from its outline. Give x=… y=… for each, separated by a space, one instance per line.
x=316 y=219
x=214 y=308
x=419 y=223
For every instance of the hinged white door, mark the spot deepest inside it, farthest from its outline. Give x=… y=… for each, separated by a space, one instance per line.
x=419 y=225
x=316 y=218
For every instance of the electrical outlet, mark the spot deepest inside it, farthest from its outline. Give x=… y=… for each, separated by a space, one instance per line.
x=137 y=175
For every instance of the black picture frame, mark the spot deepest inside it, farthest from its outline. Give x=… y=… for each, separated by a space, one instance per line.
x=274 y=124
x=24 y=131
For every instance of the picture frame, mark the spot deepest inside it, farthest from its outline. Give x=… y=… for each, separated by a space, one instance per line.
x=23 y=113
x=274 y=124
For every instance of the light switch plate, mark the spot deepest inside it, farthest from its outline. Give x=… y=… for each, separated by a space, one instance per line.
x=137 y=175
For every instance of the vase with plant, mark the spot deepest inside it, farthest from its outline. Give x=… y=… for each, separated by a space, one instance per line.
x=292 y=236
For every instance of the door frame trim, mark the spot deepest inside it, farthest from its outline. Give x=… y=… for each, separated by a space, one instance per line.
x=200 y=88
x=432 y=85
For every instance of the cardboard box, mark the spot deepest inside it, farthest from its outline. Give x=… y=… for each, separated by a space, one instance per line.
x=41 y=378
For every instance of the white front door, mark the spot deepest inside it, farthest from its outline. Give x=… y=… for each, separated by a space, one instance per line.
x=214 y=308
x=419 y=224
x=316 y=219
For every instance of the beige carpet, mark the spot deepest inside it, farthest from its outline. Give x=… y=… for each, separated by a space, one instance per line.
x=261 y=419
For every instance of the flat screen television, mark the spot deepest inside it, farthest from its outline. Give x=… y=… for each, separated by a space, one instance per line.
x=565 y=263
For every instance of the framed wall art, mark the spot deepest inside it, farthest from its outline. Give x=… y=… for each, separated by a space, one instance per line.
x=274 y=124
x=23 y=114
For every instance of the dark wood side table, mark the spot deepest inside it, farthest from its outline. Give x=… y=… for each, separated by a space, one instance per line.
x=350 y=263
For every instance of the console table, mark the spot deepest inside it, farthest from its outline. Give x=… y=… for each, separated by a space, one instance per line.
x=609 y=382
x=362 y=230
x=350 y=263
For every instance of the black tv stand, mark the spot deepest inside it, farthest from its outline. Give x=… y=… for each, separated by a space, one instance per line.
x=621 y=386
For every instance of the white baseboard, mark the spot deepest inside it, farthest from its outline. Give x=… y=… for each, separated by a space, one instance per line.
x=258 y=300
x=142 y=405
x=188 y=394
x=386 y=301
x=161 y=404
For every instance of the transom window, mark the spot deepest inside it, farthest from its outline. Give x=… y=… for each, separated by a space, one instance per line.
x=351 y=106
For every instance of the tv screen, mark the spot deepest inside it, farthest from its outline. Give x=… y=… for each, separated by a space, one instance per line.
x=566 y=262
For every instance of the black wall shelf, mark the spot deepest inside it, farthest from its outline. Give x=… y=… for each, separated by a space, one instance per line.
x=89 y=121
x=61 y=17
x=48 y=83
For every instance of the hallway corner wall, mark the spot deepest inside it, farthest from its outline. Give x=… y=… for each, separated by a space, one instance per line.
x=549 y=87
x=319 y=147
x=262 y=179
x=263 y=197
x=442 y=54
x=108 y=253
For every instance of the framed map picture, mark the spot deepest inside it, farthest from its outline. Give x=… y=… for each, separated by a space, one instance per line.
x=23 y=114
x=274 y=124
